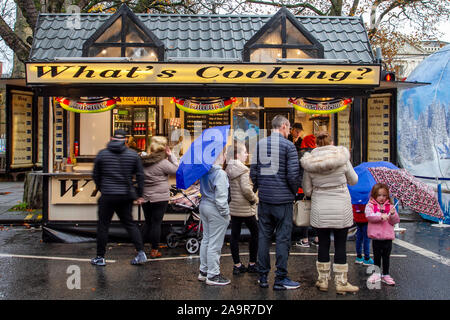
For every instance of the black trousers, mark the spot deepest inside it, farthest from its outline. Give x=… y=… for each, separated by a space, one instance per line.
x=154 y=214
x=121 y=205
x=306 y=232
x=252 y=225
x=382 y=251
x=340 y=241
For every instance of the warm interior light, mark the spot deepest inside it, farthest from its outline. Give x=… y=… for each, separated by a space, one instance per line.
x=152 y=54
x=279 y=54
x=104 y=51
x=299 y=52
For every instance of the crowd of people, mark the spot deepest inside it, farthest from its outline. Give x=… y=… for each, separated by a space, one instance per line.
x=289 y=166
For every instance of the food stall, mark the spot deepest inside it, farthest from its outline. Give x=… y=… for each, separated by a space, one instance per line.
x=127 y=71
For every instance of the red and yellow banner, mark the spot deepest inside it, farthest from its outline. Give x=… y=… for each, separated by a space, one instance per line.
x=87 y=104
x=320 y=107
x=204 y=106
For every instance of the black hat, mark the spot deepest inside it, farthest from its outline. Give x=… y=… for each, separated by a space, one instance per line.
x=120 y=134
x=297 y=125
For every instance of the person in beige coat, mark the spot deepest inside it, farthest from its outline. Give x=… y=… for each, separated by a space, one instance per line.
x=242 y=206
x=327 y=172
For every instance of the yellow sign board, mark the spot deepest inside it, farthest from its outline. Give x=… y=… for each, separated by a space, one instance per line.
x=178 y=73
x=378 y=128
x=136 y=101
x=74 y=190
x=22 y=128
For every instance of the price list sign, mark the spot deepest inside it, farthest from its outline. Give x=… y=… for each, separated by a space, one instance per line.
x=58 y=131
x=378 y=124
x=343 y=128
x=207 y=120
x=22 y=129
x=40 y=137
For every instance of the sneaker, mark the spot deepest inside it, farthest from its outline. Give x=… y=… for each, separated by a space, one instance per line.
x=263 y=281
x=303 y=244
x=315 y=243
x=359 y=260
x=238 y=270
x=374 y=278
x=140 y=258
x=202 y=276
x=285 y=284
x=98 y=261
x=368 y=262
x=217 y=280
x=252 y=268
x=388 y=280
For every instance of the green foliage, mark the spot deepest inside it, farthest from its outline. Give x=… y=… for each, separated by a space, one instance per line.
x=22 y=206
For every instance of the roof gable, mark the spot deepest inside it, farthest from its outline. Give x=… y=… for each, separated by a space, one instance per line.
x=297 y=35
x=123 y=27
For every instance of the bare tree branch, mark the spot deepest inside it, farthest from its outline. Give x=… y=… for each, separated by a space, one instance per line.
x=29 y=11
x=354 y=8
x=289 y=6
x=20 y=48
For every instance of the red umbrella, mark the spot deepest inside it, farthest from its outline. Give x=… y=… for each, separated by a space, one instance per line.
x=409 y=190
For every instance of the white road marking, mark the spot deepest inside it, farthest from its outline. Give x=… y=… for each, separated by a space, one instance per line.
x=272 y=253
x=7 y=255
x=422 y=251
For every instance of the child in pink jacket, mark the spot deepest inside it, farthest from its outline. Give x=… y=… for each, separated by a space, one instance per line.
x=382 y=217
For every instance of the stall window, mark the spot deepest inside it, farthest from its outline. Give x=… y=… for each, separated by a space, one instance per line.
x=282 y=36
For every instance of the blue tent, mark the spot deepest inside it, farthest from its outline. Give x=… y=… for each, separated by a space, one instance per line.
x=201 y=155
x=360 y=192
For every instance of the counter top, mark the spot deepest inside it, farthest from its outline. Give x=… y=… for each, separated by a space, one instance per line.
x=61 y=174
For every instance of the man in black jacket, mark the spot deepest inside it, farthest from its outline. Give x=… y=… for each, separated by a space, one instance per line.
x=274 y=172
x=113 y=171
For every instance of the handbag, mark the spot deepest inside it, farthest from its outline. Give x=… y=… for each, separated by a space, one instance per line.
x=302 y=213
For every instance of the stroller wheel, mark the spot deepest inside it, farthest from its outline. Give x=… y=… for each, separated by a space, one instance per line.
x=192 y=245
x=172 y=241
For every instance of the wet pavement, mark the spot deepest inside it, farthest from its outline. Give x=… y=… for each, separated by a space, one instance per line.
x=33 y=272
x=11 y=194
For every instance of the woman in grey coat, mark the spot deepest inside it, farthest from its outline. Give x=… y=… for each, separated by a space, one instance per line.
x=327 y=172
x=215 y=217
x=157 y=167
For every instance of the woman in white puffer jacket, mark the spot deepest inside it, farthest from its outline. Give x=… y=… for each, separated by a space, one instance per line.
x=327 y=172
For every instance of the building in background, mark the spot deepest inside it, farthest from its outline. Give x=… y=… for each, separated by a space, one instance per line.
x=410 y=56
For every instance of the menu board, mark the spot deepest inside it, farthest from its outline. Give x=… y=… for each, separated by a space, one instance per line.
x=343 y=128
x=22 y=128
x=207 y=120
x=58 y=131
x=378 y=110
x=40 y=132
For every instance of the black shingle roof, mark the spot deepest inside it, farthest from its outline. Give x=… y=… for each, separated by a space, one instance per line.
x=202 y=36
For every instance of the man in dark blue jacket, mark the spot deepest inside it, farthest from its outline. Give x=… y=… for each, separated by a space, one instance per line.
x=113 y=171
x=275 y=174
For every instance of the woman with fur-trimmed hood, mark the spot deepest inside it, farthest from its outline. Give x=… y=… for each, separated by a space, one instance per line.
x=158 y=165
x=327 y=172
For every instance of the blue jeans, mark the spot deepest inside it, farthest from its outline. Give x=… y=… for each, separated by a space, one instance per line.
x=362 y=240
x=274 y=218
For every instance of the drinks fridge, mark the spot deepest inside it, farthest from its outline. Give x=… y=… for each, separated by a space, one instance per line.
x=139 y=123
